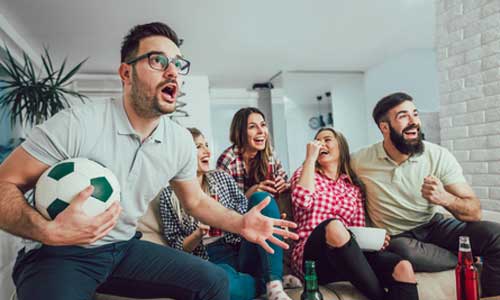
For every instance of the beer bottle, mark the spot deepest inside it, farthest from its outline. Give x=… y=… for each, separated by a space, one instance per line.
x=466 y=274
x=311 y=289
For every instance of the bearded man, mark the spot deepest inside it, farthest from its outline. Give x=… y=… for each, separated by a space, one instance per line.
x=407 y=180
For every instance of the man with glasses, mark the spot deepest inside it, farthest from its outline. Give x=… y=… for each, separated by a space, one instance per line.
x=74 y=255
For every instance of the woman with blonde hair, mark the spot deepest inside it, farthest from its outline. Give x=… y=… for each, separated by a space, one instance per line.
x=327 y=198
x=261 y=270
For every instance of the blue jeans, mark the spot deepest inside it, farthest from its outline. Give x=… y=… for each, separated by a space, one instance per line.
x=249 y=259
x=131 y=268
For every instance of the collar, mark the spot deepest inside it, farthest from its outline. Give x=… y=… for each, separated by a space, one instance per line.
x=125 y=128
x=341 y=177
x=237 y=150
x=381 y=154
x=122 y=123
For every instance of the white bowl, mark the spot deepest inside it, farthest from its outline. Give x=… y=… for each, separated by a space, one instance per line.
x=369 y=238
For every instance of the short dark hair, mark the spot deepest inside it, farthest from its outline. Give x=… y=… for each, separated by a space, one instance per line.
x=387 y=103
x=131 y=41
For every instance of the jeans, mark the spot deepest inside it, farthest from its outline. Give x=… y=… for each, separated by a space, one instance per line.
x=242 y=286
x=421 y=246
x=131 y=268
x=249 y=259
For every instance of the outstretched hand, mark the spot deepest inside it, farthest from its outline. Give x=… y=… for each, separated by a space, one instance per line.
x=74 y=227
x=259 y=229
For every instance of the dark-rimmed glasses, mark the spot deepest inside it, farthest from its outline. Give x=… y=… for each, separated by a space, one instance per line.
x=159 y=61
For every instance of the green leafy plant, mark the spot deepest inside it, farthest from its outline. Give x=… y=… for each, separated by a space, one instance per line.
x=33 y=97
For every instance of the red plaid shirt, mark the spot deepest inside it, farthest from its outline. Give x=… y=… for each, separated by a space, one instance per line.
x=231 y=161
x=331 y=199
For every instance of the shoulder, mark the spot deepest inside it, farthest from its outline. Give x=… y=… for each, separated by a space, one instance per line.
x=228 y=155
x=366 y=151
x=231 y=151
x=297 y=172
x=439 y=155
x=85 y=113
x=166 y=194
x=435 y=150
x=172 y=129
x=365 y=155
x=97 y=107
x=220 y=177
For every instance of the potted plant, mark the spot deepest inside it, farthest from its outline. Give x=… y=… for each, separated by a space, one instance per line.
x=31 y=97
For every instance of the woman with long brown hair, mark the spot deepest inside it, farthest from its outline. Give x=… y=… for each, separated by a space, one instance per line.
x=327 y=198
x=250 y=159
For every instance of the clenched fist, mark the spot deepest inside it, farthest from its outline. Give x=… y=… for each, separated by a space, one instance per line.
x=433 y=190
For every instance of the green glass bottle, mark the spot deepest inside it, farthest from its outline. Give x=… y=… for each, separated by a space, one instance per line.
x=311 y=289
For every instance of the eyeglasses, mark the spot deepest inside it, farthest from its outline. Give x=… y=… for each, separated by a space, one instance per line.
x=159 y=61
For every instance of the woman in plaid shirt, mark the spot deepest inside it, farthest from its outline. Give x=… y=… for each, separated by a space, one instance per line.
x=249 y=159
x=327 y=196
x=185 y=233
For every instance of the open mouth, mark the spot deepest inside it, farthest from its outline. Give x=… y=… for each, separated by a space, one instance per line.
x=259 y=140
x=205 y=160
x=170 y=91
x=411 y=133
x=323 y=152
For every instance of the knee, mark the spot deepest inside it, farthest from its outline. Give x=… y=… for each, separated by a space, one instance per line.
x=403 y=272
x=402 y=247
x=214 y=279
x=336 y=234
x=271 y=210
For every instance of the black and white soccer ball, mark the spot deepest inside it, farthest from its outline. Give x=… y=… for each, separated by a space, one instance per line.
x=63 y=181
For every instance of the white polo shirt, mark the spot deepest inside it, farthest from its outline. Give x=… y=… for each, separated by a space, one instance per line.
x=101 y=132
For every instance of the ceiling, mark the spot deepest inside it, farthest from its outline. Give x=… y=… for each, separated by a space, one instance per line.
x=234 y=42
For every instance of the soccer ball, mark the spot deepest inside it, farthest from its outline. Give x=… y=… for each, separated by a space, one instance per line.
x=63 y=181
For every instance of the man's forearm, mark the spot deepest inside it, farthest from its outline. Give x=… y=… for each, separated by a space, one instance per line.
x=467 y=210
x=16 y=216
x=212 y=213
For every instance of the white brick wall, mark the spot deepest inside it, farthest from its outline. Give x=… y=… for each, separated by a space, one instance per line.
x=468 y=53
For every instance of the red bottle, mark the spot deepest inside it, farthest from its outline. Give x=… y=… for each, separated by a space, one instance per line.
x=466 y=275
x=215 y=231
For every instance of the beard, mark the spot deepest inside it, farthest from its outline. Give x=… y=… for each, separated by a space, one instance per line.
x=408 y=147
x=145 y=105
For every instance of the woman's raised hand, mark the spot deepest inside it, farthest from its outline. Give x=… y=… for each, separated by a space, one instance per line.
x=312 y=150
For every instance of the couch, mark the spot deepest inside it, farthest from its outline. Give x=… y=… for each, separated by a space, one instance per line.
x=431 y=286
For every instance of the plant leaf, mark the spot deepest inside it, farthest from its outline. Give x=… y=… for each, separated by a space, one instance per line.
x=72 y=72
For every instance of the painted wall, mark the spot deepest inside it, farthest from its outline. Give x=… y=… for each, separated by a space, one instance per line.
x=224 y=103
x=413 y=72
x=280 y=138
x=348 y=105
x=468 y=47
x=198 y=104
